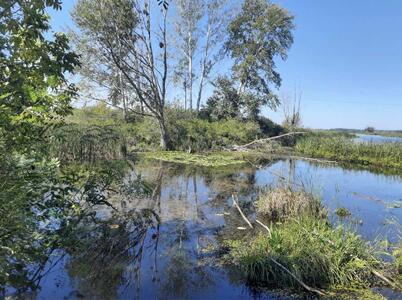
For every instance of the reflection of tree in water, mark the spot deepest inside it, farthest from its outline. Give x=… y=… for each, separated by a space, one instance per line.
x=110 y=247
x=183 y=270
x=114 y=248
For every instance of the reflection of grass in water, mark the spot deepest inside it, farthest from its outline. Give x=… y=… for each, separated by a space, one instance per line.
x=207 y=160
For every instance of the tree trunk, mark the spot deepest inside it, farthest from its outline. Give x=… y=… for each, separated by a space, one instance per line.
x=203 y=69
x=165 y=138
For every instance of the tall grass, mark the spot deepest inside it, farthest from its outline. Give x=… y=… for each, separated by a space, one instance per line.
x=277 y=204
x=75 y=142
x=345 y=150
x=317 y=253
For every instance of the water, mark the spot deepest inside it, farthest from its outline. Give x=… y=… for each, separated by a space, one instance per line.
x=377 y=139
x=176 y=257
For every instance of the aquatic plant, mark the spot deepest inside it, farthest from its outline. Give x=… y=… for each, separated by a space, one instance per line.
x=204 y=160
x=342 y=212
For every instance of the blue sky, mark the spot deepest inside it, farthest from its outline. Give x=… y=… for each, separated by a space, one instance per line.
x=346 y=59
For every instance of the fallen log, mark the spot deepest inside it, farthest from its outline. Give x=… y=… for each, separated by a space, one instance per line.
x=270 y=139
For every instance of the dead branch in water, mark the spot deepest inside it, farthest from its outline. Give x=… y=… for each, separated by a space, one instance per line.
x=314 y=159
x=386 y=280
x=265 y=226
x=308 y=288
x=241 y=212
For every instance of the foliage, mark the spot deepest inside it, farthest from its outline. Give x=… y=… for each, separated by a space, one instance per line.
x=33 y=86
x=344 y=150
x=198 y=135
x=33 y=208
x=45 y=208
x=122 y=44
x=397 y=253
x=88 y=143
x=259 y=33
x=224 y=103
x=369 y=129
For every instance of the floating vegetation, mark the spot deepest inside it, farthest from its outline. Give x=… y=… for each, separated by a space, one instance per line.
x=204 y=160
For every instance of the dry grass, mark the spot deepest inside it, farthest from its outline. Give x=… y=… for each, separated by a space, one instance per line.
x=280 y=203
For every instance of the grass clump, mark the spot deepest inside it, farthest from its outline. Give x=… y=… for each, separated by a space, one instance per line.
x=280 y=203
x=345 y=150
x=342 y=212
x=203 y=160
x=317 y=253
x=397 y=253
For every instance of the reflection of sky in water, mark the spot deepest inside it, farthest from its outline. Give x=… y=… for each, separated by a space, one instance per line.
x=377 y=139
x=195 y=205
x=367 y=195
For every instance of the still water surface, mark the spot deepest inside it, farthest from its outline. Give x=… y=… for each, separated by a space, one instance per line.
x=172 y=258
x=377 y=139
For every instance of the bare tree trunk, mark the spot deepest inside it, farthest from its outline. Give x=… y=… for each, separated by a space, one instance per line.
x=165 y=138
x=204 y=68
x=190 y=73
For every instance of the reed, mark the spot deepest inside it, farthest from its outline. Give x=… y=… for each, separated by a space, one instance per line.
x=387 y=155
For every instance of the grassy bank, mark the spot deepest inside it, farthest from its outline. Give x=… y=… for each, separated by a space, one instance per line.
x=302 y=244
x=387 y=155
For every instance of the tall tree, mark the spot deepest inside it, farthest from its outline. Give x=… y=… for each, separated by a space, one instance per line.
x=213 y=33
x=258 y=34
x=120 y=37
x=33 y=87
x=189 y=15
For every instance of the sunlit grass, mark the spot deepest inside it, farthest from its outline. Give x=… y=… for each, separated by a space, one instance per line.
x=345 y=150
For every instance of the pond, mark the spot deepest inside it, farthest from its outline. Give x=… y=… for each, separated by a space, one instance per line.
x=377 y=139
x=164 y=250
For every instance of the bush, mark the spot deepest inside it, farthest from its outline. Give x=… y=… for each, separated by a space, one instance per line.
x=188 y=132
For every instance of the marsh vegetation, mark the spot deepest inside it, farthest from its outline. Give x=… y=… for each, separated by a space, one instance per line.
x=165 y=180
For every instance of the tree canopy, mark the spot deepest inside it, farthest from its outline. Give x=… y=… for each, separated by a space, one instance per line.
x=257 y=35
x=33 y=85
